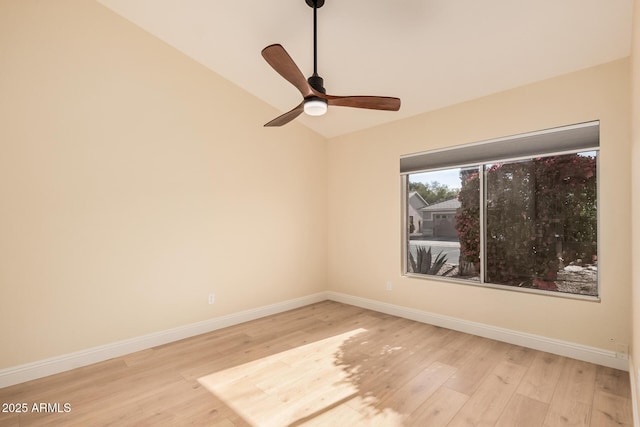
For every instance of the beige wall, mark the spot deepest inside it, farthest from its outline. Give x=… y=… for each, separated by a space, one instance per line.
x=364 y=171
x=128 y=175
x=635 y=138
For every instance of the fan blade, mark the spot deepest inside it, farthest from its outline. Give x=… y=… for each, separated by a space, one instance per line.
x=370 y=102
x=286 y=117
x=280 y=61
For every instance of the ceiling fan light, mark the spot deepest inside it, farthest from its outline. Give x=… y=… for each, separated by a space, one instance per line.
x=315 y=107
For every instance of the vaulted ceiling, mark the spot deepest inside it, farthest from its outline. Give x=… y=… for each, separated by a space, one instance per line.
x=429 y=53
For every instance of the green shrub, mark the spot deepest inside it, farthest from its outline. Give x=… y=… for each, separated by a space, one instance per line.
x=538 y=213
x=423 y=263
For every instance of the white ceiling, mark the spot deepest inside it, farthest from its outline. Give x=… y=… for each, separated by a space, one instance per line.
x=429 y=53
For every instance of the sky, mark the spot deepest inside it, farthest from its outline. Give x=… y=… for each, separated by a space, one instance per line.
x=448 y=177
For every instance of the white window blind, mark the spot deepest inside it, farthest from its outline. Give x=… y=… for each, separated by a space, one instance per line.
x=578 y=137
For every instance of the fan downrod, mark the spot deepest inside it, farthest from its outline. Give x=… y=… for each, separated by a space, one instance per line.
x=315 y=3
x=315 y=80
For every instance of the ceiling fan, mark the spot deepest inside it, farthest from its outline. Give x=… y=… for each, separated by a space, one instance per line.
x=315 y=100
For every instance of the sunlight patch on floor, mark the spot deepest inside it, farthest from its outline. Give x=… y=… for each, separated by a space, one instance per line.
x=303 y=386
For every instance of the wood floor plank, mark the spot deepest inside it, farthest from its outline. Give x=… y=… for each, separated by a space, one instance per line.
x=476 y=365
x=522 y=411
x=613 y=381
x=611 y=410
x=353 y=412
x=338 y=415
x=10 y=420
x=487 y=403
x=408 y=397
x=542 y=377
x=439 y=409
x=521 y=355
x=573 y=397
x=332 y=364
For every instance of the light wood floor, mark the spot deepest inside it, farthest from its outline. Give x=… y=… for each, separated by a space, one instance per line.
x=331 y=364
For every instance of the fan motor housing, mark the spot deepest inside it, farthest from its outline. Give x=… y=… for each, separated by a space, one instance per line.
x=317 y=83
x=315 y=3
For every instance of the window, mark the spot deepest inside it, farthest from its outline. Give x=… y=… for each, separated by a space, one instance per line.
x=526 y=222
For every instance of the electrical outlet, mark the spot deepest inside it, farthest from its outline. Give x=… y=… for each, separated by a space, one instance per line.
x=389 y=285
x=212 y=298
x=622 y=351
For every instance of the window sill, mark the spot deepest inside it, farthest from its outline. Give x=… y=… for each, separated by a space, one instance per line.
x=504 y=287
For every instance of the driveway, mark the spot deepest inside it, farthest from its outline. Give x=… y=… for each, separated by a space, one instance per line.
x=448 y=248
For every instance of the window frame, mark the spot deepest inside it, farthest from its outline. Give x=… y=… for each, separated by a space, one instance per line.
x=481 y=166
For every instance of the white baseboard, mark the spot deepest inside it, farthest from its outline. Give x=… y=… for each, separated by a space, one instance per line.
x=54 y=365
x=536 y=342
x=633 y=375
